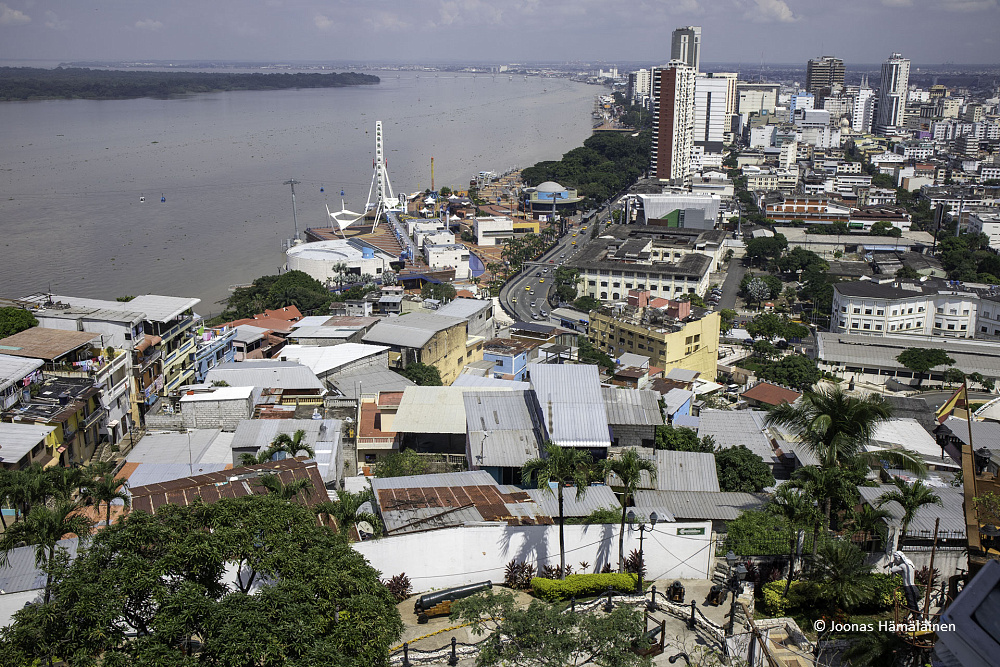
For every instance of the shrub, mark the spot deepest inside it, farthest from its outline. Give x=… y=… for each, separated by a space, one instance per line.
x=634 y=563
x=801 y=594
x=582 y=585
x=606 y=569
x=887 y=591
x=399 y=586
x=518 y=575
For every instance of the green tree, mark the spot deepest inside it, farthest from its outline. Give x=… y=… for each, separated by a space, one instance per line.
x=739 y=469
x=345 y=510
x=628 y=469
x=766 y=326
x=401 y=464
x=954 y=376
x=292 y=288
x=797 y=510
x=726 y=318
x=920 y=360
x=883 y=228
x=799 y=259
x=840 y=570
x=682 y=440
x=907 y=272
x=108 y=489
x=561 y=465
x=587 y=353
x=443 y=292
x=165 y=575
x=828 y=488
x=286 y=490
x=566 y=281
x=15 y=320
x=541 y=635
x=586 y=303
x=766 y=247
x=422 y=374
x=911 y=497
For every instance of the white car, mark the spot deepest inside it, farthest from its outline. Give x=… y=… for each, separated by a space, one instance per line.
x=534 y=302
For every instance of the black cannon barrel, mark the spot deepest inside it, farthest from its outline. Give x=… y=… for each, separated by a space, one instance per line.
x=428 y=600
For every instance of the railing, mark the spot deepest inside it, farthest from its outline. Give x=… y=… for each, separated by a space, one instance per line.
x=181 y=350
x=141 y=362
x=376 y=443
x=94 y=417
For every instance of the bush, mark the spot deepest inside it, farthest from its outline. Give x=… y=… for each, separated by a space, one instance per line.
x=801 y=594
x=887 y=590
x=582 y=585
x=399 y=586
x=519 y=575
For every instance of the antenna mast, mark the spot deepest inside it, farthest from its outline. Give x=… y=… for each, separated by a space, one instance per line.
x=292 y=182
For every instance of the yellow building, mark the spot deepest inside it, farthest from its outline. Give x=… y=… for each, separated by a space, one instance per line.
x=428 y=338
x=692 y=345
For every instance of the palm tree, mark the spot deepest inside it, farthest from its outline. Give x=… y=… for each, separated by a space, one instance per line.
x=44 y=527
x=562 y=465
x=823 y=485
x=292 y=445
x=345 y=510
x=911 y=497
x=107 y=489
x=797 y=510
x=28 y=487
x=836 y=427
x=628 y=468
x=273 y=485
x=6 y=485
x=841 y=569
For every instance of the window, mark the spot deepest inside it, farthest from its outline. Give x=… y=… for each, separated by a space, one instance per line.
x=919 y=310
x=940 y=311
x=983 y=329
x=843 y=309
x=591 y=283
x=951 y=327
x=878 y=327
x=964 y=327
x=857 y=311
x=617 y=284
x=842 y=323
x=868 y=325
x=965 y=312
x=604 y=283
x=868 y=311
x=879 y=312
x=854 y=325
x=892 y=327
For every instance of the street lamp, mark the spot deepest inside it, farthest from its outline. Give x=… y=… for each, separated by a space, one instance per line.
x=735 y=586
x=642 y=529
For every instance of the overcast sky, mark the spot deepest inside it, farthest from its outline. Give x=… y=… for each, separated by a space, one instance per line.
x=422 y=31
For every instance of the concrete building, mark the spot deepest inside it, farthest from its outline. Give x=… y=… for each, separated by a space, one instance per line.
x=25 y=444
x=17 y=374
x=548 y=199
x=679 y=209
x=478 y=313
x=863 y=114
x=572 y=406
x=892 y=94
x=428 y=338
x=824 y=75
x=454 y=255
x=323 y=259
x=986 y=223
x=639 y=87
x=673 y=121
x=685 y=46
x=691 y=342
x=711 y=120
x=633 y=415
x=756 y=98
x=490 y=230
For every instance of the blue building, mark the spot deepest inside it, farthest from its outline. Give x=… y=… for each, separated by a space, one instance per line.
x=510 y=357
x=214 y=346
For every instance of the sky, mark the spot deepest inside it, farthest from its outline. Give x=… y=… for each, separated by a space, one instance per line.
x=502 y=31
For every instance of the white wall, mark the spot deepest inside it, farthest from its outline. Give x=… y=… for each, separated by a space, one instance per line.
x=455 y=556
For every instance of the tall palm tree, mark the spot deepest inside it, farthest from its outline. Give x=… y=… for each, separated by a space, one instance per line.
x=28 y=487
x=43 y=527
x=6 y=485
x=841 y=570
x=911 y=497
x=869 y=520
x=823 y=485
x=797 y=510
x=293 y=444
x=345 y=509
x=562 y=465
x=837 y=427
x=628 y=468
x=106 y=490
x=273 y=485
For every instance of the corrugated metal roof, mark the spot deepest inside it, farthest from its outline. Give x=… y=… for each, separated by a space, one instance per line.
x=21 y=572
x=950 y=512
x=180 y=447
x=732 y=428
x=597 y=497
x=682 y=374
x=464 y=308
x=906 y=433
x=219 y=394
x=246 y=333
x=503 y=427
x=259 y=433
x=470 y=380
x=267 y=374
x=434 y=409
x=675 y=399
x=14 y=369
x=331 y=333
x=881 y=351
x=722 y=506
x=685 y=421
x=411 y=330
x=310 y=321
x=633 y=407
x=16 y=440
x=464 y=478
x=368 y=380
x=628 y=359
x=686 y=471
x=155 y=473
x=572 y=405
x=984 y=434
x=322 y=360
x=159 y=308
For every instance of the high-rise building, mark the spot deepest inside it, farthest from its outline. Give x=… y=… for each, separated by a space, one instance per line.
x=711 y=121
x=685 y=46
x=639 y=86
x=864 y=107
x=823 y=75
x=892 y=94
x=673 y=121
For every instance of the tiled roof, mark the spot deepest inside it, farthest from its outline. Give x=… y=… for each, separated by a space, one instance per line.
x=771 y=394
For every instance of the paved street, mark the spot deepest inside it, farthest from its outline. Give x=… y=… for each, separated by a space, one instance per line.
x=517 y=294
x=731 y=286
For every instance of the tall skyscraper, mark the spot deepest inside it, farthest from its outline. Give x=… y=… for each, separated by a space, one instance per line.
x=711 y=121
x=864 y=106
x=823 y=74
x=685 y=46
x=673 y=121
x=892 y=94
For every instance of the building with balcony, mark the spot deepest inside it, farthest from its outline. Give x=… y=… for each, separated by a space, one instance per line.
x=510 y=357
x=213 y=346
x=688 y=341
x=26 y=444
x=929 y=308
x=428 y=338
x=73 y=407
x=16 y=376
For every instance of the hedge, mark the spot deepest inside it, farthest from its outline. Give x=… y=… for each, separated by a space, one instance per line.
x=582 y=585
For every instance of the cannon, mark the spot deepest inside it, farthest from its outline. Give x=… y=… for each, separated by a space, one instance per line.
x=717 y=595
x=675 y=592
x=656 y=638
x=438 y=603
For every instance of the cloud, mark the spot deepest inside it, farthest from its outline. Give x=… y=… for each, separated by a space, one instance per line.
x=10 y=16
x=966 y=5
x=389 y=22
x=323 y=22
x=897 y=3
x=771 y=11
x=149 y=24
x=53 y=21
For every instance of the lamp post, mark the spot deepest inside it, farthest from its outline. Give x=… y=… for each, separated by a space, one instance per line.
x=735 y=586
x=642 y=529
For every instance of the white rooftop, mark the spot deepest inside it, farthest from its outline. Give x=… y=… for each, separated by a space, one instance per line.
x=16 y=440
x=219 y=394
x=325 y=359
x=908 y=434
x=156 y=307
x=14 y=369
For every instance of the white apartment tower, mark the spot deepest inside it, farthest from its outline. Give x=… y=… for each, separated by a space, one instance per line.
x=639 y=86
x=864 y=106
x=892 y=94
x=685 y=45
x=673 y=121
x=711 y=99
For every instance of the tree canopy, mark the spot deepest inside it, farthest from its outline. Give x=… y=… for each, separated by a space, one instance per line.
x=765 y=287
x=766 y=247
x=588 y=353
x=401 y=464
x=292 y=288
x=682 y=440
x=15 y=320
x=968 y=258
x=155 y=589
x=922 y=359
x=422 y=374
x=793 y=370
x=739 y=469
x=443 y=292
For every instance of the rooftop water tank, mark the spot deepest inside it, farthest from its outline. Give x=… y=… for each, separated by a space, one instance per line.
x=367 y=253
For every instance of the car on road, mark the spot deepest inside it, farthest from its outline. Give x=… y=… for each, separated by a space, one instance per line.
x=552 y=261
x=527 y=287
x=538 y=274
x=574 y=242
x=543 y=312
x=562 y=256
x=531 y=291
x=574 y=233
x=513 y=299
x=541 y=280
x=534 y=302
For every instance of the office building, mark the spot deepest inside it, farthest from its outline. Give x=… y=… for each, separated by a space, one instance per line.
x=639 y=86
x=711 y=95
x=892 y=94
x=673 y=121
x=824 y=75
x=864 y=108
x=685 y=46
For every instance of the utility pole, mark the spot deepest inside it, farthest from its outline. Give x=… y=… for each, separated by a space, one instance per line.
x=292 y=182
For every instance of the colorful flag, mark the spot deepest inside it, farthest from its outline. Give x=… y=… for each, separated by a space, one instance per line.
x=960 y=399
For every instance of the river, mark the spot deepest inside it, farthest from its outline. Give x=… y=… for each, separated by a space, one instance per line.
x=72 y=173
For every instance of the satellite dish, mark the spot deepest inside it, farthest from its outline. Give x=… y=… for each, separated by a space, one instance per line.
x=366 y=508
x=365 y=528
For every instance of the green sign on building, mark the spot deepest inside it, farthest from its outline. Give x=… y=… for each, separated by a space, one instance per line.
x=690 y=531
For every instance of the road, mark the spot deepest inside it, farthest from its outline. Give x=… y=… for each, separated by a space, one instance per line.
x=731 y=285
x=935 y=399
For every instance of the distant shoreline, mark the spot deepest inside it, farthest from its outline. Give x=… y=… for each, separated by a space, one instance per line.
x=21 y=84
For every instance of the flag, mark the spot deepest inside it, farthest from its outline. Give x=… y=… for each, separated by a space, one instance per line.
x=959 y=399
